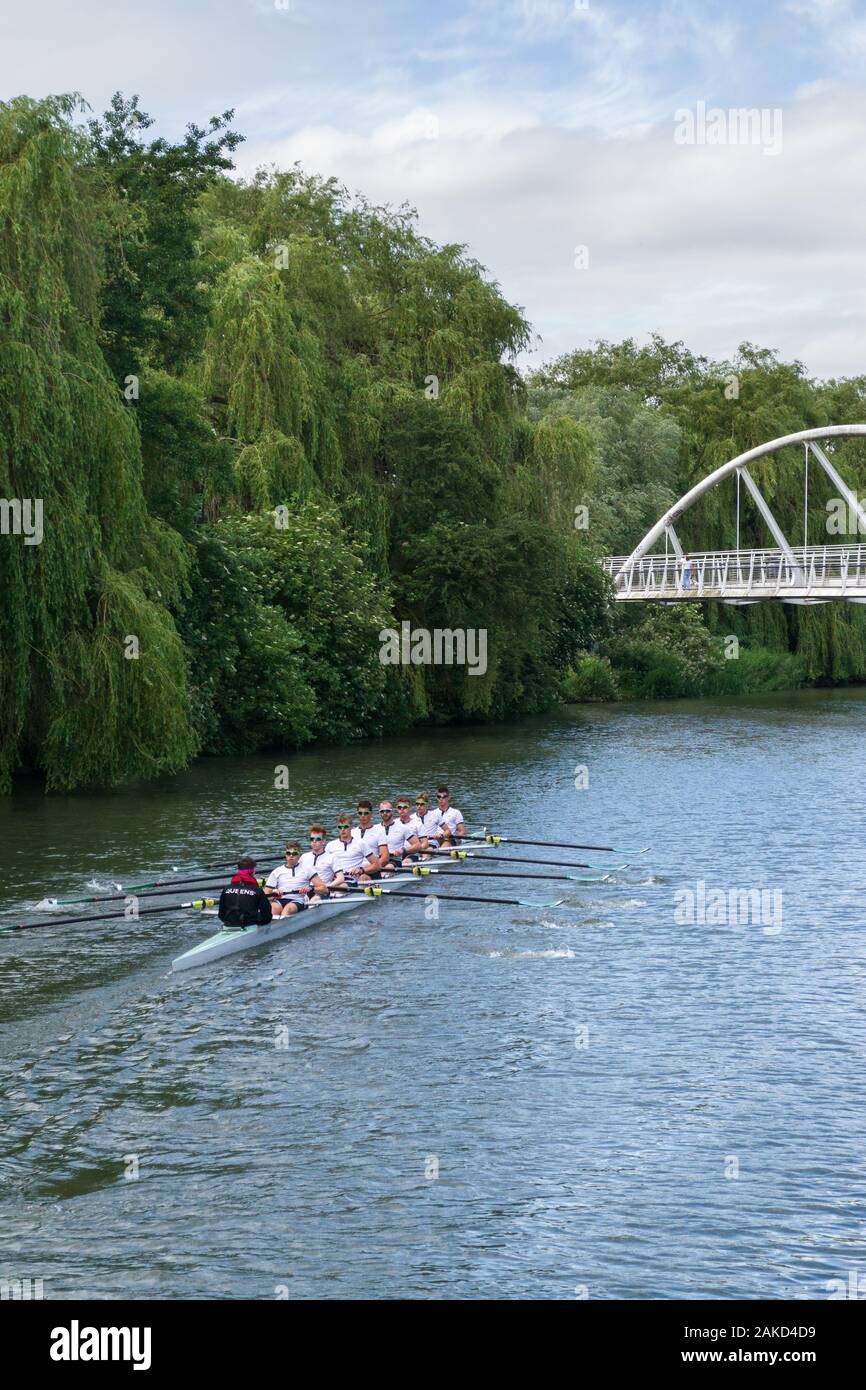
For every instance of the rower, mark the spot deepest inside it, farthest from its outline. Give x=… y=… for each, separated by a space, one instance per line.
x=402 y=837
x=243 y=903
x=347 y=853
x=373 y=838
x=287 y=887
x=426 y=823
x=451 y=825
x=318 y=866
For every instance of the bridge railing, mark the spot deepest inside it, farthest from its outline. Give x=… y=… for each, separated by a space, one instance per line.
x=816 y=572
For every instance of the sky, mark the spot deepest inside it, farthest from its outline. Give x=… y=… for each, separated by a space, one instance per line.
x=582 y=150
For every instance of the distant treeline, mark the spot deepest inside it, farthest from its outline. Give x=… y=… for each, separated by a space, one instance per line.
x=267 y=420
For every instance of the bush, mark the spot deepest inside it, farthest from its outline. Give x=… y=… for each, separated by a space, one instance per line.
x=756 y=669
x=591 y=678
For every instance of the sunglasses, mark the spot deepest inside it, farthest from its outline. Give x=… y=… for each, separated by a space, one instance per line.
x=422 y=803
x=344 y=825
x=442 y=796
x=290 y=852
x=383 y=811
x=314 y=838
x=365 y=812
x=403 y=806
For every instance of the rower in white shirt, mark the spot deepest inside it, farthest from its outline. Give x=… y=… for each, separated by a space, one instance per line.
x=451 y=824
x=402 y=834
x=348 y=854
x=318 y=865
x=287 y=886
x=426 y=823
x=374 y=838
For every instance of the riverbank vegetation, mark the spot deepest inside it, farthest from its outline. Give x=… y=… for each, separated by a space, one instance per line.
x=266 y=420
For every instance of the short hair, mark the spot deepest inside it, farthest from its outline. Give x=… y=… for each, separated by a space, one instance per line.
x=318 y=829
x=345 y=815
x=293 y=847
x=246 y=862
x=365 y=806
x=444 y=789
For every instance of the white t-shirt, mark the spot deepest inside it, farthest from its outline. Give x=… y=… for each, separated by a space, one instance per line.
x=286 y=880
x=400 y=833
x=346 y=857
x=428 y=825
x=451 y=817
x=371 y=840
x=321 y=864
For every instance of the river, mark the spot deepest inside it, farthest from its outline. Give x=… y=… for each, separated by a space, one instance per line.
x=594 y=1100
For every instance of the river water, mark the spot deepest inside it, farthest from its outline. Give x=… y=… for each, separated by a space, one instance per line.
x=599 y=1099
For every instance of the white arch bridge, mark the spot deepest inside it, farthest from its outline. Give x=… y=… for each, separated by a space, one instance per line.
x=803 y=574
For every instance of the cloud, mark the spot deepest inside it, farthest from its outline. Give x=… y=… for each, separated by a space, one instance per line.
x=525 y=128
x=712 y=244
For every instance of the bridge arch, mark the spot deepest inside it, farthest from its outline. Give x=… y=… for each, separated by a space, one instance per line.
x=807 y=574
x=741 y=462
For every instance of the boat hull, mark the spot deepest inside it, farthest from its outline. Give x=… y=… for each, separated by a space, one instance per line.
x=231 y=941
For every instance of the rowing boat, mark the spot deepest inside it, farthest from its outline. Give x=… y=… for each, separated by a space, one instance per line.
x=229 y=941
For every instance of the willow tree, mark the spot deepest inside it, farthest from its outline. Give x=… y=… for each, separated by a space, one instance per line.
x=92 y=684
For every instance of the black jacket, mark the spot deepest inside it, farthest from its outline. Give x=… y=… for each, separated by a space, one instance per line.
x=244 y=903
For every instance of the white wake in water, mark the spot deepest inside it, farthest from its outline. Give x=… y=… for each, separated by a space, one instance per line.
x=563 y=954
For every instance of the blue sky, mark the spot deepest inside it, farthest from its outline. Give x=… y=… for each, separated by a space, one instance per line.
x=528 y=128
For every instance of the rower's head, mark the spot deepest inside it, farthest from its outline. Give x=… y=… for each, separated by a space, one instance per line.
x=247 y=864
x=293 y=852
x=422 y=804
x=404 y=808
x=344 y=828
x=317 y=838
x=386 y=812
x=365 y=814
x=443 y=798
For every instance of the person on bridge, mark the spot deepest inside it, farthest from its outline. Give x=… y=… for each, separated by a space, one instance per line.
x=686 y=581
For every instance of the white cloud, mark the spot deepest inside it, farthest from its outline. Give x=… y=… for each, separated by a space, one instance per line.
x=524 y=128
x=710 y=244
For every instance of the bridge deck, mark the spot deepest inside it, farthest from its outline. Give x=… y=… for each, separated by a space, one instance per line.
x=811 y=574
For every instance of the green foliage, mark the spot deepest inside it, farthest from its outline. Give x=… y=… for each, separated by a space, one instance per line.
x=755 y=671
x=154 y=300
x=591 y=679
x=283 y=634
x=668 y=655
x=70 y=702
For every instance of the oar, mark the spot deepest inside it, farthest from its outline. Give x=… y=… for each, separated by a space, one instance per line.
x=105 y=916
x=374 y=891
x=555 y=844
x=120 y=890
x=422 y=870
x=515 y=859
x=153 y=893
